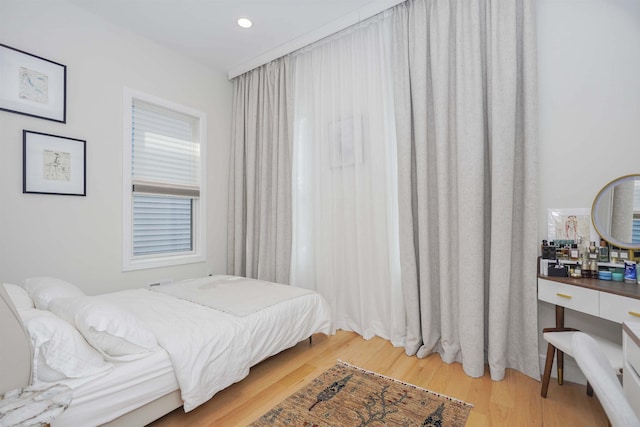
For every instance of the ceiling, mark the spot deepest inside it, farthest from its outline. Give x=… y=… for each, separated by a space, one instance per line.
x=206 y=30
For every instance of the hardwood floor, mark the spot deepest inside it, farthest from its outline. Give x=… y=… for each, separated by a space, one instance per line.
x=515 y=401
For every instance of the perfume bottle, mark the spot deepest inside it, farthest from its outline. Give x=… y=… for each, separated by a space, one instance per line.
x=552 y=250
x=574 y=252
x=586 y=271
x=545 y=249
x=593 y=252
x=603 y=255
x=614 y=254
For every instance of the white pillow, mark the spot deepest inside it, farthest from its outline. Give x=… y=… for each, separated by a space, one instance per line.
x=45 y=289
x=60 y=352
x=115 y=332
x=19 y=297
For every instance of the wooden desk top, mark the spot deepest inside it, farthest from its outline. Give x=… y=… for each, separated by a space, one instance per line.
x=630 y=290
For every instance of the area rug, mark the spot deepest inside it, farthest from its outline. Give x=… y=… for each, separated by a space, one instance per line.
x=346 y=395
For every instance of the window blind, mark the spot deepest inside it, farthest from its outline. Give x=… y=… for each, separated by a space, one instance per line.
x=166 y=154
x=162 y=224
x=165 y=179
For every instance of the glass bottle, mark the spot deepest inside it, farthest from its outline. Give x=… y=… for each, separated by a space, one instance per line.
x=593 y=252
x=552 y=250
x=586 y=271
x=575 y=253
x=614 y=254
x=604 y=251
x=545 y=249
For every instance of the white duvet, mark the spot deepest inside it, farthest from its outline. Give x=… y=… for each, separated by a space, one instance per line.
x=211 y=349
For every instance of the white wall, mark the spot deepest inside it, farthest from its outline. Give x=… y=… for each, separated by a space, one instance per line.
x=79 y=238
x=589 y=81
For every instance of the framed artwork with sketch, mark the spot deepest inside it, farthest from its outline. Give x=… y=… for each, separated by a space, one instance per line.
x=53 y=164
x=32 y=85
x=569 y=224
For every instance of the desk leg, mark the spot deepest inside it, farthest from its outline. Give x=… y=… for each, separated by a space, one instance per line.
x=559 y=316
x=560 y=361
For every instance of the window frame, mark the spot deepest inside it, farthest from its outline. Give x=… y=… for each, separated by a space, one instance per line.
x=131 y=262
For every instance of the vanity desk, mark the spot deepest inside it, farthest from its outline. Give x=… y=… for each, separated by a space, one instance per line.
x=615 y=301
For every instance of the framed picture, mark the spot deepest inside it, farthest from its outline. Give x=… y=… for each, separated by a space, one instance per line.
x=345 y=137
x=569 y=224
x=53 y=164
x=32 y=86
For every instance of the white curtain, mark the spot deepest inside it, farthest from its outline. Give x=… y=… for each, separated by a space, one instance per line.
x=345 y=223
x=466 y=116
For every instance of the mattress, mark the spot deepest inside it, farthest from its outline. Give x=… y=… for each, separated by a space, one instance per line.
x=126 y=387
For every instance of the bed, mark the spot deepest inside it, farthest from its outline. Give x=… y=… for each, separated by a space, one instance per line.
x=141 y=353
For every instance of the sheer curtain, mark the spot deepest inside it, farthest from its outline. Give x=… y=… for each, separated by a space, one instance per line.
x=465 y=96
x=259 y=211
x=345 y=223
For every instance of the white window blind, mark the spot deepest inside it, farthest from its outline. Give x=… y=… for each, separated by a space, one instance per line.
x=165 y=177
x=166 y=153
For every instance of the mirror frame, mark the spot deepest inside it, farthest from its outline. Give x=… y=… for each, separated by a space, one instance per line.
x=610 y=239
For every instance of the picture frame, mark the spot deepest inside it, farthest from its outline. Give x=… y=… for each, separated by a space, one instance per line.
x=345 y=137
x=567 y=224
x=32 y=86
x=53 y=164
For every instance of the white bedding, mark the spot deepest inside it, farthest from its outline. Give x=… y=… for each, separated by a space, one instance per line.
x=126 y=387
x=210 y=349
x=235 y=295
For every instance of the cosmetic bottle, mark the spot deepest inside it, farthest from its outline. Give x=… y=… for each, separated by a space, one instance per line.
x=623 y=255
x=614 y=255
x=604 y=251
x=630 y=272
x=586 y=270
x=593 y=252
x=574 y=253
x=593 y=266
x=576 y=272
x=552 y=250
x=545 y=249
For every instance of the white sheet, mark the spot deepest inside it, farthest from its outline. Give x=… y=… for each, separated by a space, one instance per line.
x=210 y=349
x=239 y=296
x=126 y=387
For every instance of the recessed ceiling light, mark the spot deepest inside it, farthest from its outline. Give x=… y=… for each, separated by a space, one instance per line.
x=245 y=22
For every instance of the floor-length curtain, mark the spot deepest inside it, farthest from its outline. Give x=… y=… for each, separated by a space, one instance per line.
x=259 y=212
x=344 y=193
x=465 y=103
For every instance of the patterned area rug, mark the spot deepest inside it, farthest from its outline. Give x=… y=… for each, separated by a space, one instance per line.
x=349 y=396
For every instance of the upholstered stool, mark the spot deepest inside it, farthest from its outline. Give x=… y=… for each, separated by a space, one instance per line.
x=561 y=339
x=595 y=366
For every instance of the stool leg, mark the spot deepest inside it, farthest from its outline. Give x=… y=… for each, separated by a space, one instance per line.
x=547 y=370
x=589 y=390
x=560 y=367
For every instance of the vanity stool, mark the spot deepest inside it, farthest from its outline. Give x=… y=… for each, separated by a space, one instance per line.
x=561 y=341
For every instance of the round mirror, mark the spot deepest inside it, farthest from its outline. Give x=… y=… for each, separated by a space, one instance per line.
x=616 y=212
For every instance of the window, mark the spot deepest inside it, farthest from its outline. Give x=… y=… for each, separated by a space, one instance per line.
x=163 y=204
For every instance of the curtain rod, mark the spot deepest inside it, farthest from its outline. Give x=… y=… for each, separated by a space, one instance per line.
x=354 y=17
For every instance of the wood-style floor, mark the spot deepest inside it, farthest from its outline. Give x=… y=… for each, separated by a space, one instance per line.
x=515 y=401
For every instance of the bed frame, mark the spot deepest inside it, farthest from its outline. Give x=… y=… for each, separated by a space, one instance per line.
x=15 y=353
x=16 y=356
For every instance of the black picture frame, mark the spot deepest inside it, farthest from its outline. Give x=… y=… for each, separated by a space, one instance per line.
x=32 y=86
x=53 y=164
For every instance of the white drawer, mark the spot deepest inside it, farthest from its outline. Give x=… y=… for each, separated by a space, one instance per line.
x=631 y=387
x=631 y=352
x=573 y=297
x=618 y=308
x=631 y=370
